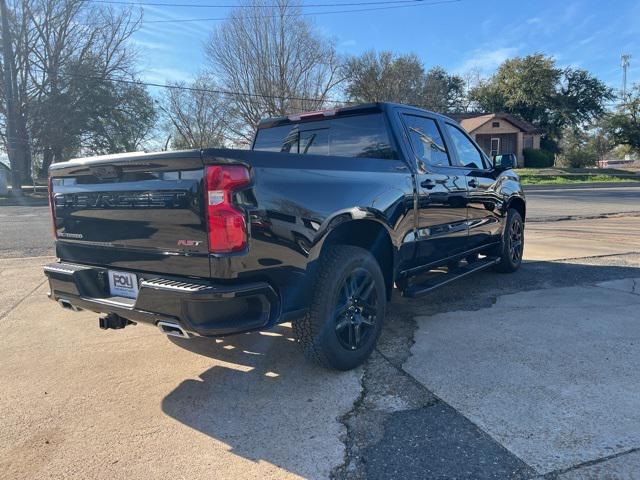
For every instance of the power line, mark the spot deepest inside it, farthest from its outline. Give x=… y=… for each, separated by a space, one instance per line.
x=272 y=5
x=207 y=90
x=416 y=3
x=211 y=90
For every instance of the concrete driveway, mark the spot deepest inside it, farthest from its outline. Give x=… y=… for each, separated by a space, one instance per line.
x=551 y=374
x=78 y=402
x=497 y=376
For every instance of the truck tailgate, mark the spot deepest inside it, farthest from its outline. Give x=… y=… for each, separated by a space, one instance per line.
x=142 y=212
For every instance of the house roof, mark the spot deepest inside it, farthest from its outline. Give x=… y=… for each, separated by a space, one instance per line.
x=473 y=121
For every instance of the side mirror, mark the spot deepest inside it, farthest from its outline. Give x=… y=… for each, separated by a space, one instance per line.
x=504 y=162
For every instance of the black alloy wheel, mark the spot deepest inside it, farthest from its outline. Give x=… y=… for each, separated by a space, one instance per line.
x=356 y=311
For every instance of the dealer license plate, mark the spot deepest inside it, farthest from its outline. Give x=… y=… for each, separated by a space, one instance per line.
x=123 y=284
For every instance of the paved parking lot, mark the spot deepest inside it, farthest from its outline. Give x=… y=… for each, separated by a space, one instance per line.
x=498 y=376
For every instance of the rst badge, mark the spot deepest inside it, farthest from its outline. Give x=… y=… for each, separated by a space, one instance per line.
x=189 y=243
x=123 y=284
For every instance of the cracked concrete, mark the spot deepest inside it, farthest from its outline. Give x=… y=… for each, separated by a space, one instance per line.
x=629 y=285
x=562 y=373
x=372 y=424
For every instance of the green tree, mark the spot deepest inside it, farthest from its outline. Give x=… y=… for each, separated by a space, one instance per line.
x=90 y=114
x=121 y=122
x=576 y=150
x=580 y=100
x=624 y=124
x=551 y=98
x=443 y=92
x=386 y=77
x=525 y=86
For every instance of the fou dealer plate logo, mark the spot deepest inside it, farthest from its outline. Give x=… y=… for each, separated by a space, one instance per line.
x=123 y=284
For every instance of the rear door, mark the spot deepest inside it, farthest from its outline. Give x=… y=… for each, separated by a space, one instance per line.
x=483 y=199
x=142 y=212
x=441 y=204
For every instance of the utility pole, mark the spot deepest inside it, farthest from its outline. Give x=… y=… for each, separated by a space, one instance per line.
x=624 y=61
x=8 y=64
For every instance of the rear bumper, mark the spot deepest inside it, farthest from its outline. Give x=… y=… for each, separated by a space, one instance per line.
x=199 y=307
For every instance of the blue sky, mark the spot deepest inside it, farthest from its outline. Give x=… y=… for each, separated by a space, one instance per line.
x=459 y=36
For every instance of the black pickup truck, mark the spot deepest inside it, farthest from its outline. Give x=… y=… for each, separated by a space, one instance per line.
x=315 y=225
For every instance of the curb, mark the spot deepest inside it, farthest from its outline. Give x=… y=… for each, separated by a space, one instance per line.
x=561 y=218
x=583 y=186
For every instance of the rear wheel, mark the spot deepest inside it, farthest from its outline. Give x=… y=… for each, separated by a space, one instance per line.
x=512 y=245
x=343 y=324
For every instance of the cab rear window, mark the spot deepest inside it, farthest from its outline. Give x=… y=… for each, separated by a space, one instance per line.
x=355 y=136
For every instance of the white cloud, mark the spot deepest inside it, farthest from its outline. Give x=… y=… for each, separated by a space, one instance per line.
x=163 y=75
x=485 y=60
x=151 y=45
x=348 y=43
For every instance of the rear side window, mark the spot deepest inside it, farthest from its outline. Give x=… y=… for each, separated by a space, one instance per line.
x=426 y=140
x=314 y=142
x=277 y=139
x=356 y=136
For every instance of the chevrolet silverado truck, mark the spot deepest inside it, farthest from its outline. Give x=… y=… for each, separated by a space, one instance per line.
x=315 y=225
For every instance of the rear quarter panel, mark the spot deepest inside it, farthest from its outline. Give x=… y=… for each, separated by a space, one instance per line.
x=296 y=200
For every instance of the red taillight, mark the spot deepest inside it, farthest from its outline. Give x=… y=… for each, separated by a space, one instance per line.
x=227 y=225
x=52 y=208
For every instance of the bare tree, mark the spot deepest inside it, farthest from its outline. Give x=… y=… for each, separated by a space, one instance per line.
x=67 y=54
x=273 y=60
x=196 y=115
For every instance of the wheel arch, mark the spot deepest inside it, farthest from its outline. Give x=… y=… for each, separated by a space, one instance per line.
x=518 y=204
x=370 y=235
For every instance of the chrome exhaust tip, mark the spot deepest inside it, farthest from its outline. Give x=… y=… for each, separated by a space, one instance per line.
x=67 y=305
x=173 y=330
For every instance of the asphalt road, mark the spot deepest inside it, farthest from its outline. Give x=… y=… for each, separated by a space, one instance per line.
x=557 y=203
x=26 y=231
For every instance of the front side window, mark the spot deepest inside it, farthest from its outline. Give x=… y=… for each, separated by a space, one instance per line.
x=353 y=136
x=468 y=154
x=426 y=141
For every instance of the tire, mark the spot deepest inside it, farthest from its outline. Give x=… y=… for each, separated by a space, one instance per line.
x=512 y=245
x=344 y=321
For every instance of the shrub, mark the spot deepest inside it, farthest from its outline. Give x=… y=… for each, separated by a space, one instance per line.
x=534 y=158
x=578 y=158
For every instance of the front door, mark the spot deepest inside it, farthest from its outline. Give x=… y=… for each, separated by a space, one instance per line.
x=483 y=198
x=441 y=223
x=495 y=146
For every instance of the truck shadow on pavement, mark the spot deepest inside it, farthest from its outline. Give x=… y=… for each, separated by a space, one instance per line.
x=263 y=400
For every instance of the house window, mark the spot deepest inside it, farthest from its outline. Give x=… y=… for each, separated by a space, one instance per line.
x=495 y=146
x=495 y=124
x=528 y=141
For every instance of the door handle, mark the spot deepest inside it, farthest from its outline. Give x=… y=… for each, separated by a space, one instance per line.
x=428 y=184
x=473 y=183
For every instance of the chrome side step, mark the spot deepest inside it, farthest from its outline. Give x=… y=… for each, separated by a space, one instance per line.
x=173 y=330
x=431 y=284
